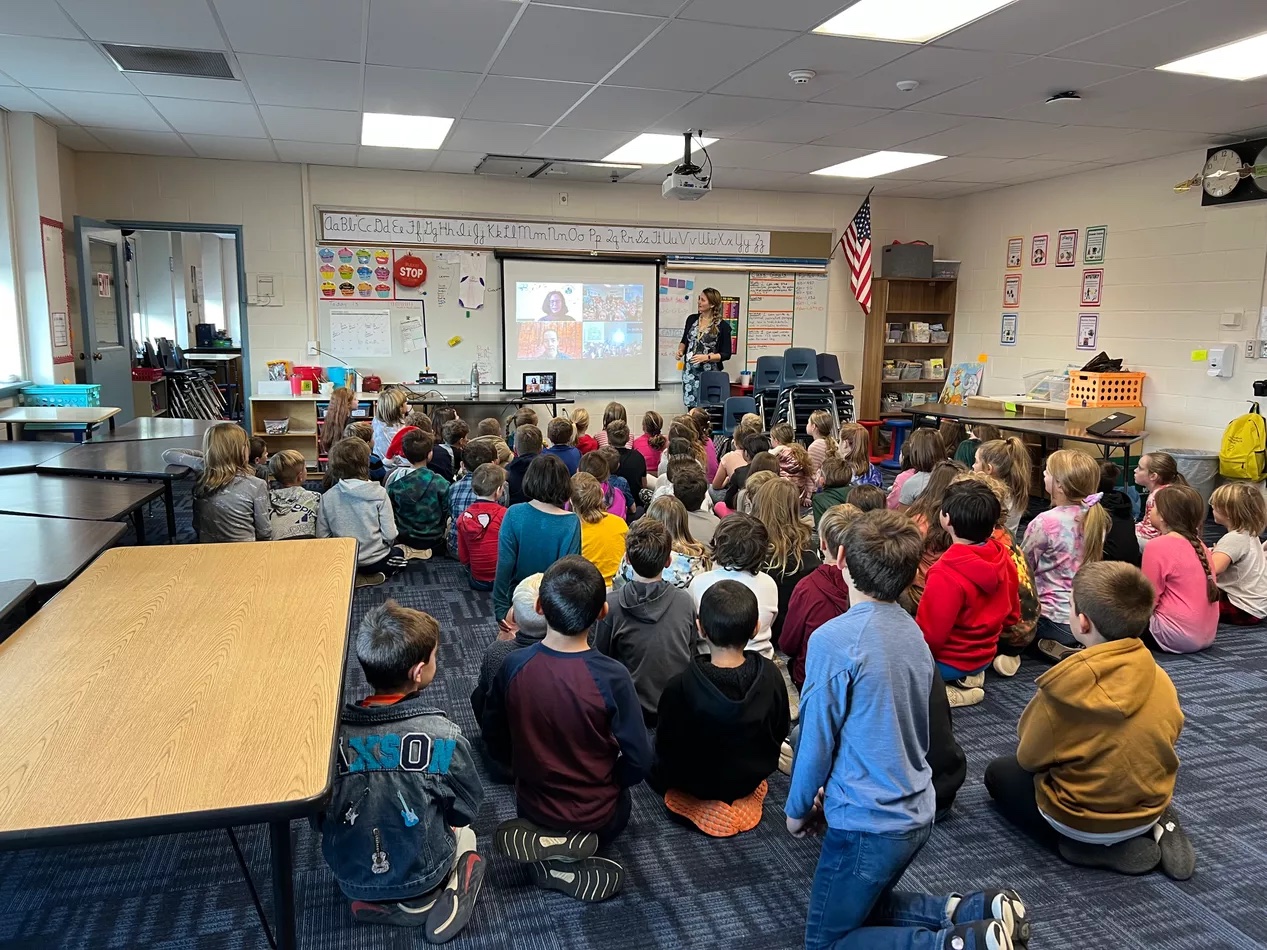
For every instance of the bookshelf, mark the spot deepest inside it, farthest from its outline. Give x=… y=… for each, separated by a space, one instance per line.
x=904 y=300
x=307 y=416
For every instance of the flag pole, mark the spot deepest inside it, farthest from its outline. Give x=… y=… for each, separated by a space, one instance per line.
x=842 y=233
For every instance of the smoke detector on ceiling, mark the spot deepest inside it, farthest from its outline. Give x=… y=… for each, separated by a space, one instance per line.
x=907 y=85
x=801 y=76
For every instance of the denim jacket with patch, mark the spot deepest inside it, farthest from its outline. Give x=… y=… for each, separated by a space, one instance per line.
x=406 y=779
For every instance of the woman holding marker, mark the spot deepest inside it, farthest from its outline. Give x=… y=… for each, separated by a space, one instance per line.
x=704 y=346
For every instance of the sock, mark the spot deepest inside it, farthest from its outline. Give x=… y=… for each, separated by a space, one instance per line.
x=952 y=905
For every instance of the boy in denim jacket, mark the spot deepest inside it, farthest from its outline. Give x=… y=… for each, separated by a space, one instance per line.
x=396 y=832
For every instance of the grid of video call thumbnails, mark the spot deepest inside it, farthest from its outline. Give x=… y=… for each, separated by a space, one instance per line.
x=571 y=321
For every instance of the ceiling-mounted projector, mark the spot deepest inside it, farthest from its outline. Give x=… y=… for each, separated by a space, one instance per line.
x=685 y=183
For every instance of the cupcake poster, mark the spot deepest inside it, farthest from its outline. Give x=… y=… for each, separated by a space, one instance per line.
x=358 y=272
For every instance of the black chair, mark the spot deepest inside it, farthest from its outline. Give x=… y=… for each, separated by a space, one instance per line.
x=766 y=381
x=800 y=367
x=828 y=368
x=736 y=408
x=714 y=390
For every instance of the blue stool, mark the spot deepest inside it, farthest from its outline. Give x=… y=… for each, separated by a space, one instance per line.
x=900 y=429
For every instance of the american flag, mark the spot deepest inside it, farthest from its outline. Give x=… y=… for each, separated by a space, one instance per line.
x=857 y=244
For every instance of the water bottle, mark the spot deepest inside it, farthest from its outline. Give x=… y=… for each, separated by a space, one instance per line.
x=475 y=380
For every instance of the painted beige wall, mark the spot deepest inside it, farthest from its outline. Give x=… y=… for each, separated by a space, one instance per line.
x=1171 y=269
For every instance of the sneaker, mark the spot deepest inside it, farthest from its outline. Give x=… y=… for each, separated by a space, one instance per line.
x=416 y=554
x=1178 y=859
x=1133 y=856
x=371 y=580
x=959 y=696
x=456 y=903
x=396 y=913
x=1009 y=910
x=1055 y=650
x=523 y=841
x=979 y=935
x=785 y=758
x=590 y=880
x=975 y=681
x=1006 y=665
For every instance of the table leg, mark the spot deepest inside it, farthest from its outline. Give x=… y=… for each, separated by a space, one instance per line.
x=8 y=430
x=138 y=522
x=283 y=884
x=112 y=423
x=169 y=499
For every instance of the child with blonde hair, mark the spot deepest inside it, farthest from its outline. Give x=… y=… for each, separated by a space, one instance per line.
x=292 y=509
x=821 y=428
x=796 y=467
x=1008 y=461
x=704 y=435
x=1177 y=563
x=689 y=557
x=855 y=448
x=747 y=498
x=792 y=556
x=1238 y=561
x=612 y=412
x=389 y=418
x=1154 y=471
x=231 y=502
x=1060 y=540
x=602 y=533
x=584 y=441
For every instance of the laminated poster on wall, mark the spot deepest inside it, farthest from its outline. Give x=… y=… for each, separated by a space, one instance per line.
x=1015 y=248
x=771 y=312
x=1012 y=290
x=1092 y=287
x=1093 y=249
x=1066 y=248
x=1088 y=330
x=1007 y=329
x=1038 y=250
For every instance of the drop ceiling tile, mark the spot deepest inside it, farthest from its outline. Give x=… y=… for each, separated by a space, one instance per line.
x=808 y=158
x=456 y=163
x=106 y=109
x=647 y=7
x=312 y=83
x=588 y=144
x=1040 y=26
x=802 y=15
x=18 y=99
x=936 y=70
x=624 y=109
x=232 y=147
x=72 y=136
x=410 y=159
x=143 y=143
x=312 y=125
x=1079 y=143
x=1143 y=88
x=438 y=34
x=1210 y=113
x=721 y=115
x=930 y=189
x=1027 y=84
x=809 y=121
x=523 y=100
x=210 y=118
x=186 y=87
x=729 y=178
x=891 y=130
x=834 y=58
x=855 y=189
x=59 y=64
x=320 y=29
x=6 y=81
x=998 y=137
x=417 y=91
x=36 y=18
x=316 y=153
x=738 y=153
x=504 y=138
x=577 y=45
x=695 y=57
x=184 y=24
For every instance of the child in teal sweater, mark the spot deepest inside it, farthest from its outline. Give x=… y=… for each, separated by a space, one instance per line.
x=536 y=534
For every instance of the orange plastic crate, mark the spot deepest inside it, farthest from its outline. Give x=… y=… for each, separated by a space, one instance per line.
x=1106 y=389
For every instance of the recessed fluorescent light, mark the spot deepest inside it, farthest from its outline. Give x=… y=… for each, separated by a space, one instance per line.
x=908 y=21
x=1244 y=59
x=878 y=163
x=651 y=149
x=389 y=130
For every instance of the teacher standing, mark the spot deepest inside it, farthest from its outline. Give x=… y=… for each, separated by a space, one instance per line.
x=704 y=346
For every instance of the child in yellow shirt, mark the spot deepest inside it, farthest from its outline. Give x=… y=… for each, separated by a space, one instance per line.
x=602 y=534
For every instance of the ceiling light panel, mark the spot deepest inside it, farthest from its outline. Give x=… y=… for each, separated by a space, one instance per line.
x=1244 y=59
x=878 y=163
x=652 y=149
x=908 y=21
x=391 y=130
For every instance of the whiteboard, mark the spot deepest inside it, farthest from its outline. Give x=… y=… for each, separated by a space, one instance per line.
x=360 y=332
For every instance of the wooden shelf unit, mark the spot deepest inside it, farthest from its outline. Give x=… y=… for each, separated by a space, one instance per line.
x=306 y=415
x=902 y=300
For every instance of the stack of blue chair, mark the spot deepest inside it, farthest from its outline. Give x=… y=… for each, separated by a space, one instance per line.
x=810 y=381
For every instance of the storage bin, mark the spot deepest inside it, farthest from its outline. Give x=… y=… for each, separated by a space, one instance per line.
x=67 y=394
x=946 y=270
x=1105 y=389
x=939 y=336
x=912 y=370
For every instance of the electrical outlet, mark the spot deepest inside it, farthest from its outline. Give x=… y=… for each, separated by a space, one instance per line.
x=563 y=197
x=313 y=348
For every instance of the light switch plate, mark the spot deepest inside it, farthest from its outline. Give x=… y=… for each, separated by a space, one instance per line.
x=1251 y=349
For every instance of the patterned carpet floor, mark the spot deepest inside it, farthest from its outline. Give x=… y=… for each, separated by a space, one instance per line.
x=684 y=890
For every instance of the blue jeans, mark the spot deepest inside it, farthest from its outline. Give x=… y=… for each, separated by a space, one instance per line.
x=950 y=674
x=1050 y=630
x=853 y=906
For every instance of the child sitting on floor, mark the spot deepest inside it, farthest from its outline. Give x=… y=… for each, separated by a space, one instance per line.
x=585 y=443
x=259 y=457
x=690 y=488
x=739 y=551
x=602 y=534
x=527 y=447
x=978 y=434
x=562 y=432
x=1154 y=472
x=420 y=499
x=650 y=624
x=355 y=507
x=952 y=434
x=611 y=456
x=573 y=761
x=722 y=721
x=861 y=766
x=614 y=501
x=755 y=447
x=365 y=432
x=921 y=451
x=422 y=871
x=612 y=412
x=230 y=500
x=292 y=509
x=689 y=559
x=479 y=526
x=867 y=498
x=1177 y=564
x=389 y=418
x=734 y=459
x=462 y=492
x=1094 y=772
x=1238 y=561
x=834 y=480
x=855 y=449
x=820 y=595
x=1008 y=461
x=1120 y=543
x=536 y=534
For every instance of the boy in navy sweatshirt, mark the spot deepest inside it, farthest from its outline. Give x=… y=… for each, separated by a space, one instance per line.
x=861 y=764
x=569 y=722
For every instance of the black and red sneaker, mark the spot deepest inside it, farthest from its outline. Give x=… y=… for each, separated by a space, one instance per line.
x=456 y=903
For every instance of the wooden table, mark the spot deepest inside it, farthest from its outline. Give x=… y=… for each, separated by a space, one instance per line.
x=85 y=499
x=14 y=593
x=1052 y=431
x=83 y=419
x=24 y=456
x=170 y=661
x=52 y=551
x=142 y=459
x=157 y=427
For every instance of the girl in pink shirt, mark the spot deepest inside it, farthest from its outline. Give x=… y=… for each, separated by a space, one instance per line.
x=1155 y=471
x=652 y=441
x=1177 y=563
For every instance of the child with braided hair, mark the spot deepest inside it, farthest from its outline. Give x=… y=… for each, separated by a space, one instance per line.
x=1177 y=563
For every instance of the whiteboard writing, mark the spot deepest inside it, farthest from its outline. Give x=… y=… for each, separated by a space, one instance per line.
x=360 y=332
x=411 y=229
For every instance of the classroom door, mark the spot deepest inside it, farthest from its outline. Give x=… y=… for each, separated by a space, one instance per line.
x=106 y=328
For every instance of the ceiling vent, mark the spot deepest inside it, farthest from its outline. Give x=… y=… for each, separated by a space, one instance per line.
x=514 y=166
x=203 y=64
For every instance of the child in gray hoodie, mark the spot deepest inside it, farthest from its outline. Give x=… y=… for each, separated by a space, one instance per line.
x=650 y=624
x=355 y=507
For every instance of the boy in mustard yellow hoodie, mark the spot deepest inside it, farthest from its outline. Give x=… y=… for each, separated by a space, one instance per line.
x=1094 y=772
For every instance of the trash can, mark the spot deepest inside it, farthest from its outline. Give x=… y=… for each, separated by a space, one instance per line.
x=1200 y=467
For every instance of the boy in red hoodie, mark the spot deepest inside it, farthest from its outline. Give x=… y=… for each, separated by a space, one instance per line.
x=819 y=596
x=970 y=595
x=481 y=523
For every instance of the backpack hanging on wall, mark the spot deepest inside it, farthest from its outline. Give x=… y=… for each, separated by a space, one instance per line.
x=1243 y=453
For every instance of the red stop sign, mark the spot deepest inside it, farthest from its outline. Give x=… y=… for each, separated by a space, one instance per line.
x=410 y=271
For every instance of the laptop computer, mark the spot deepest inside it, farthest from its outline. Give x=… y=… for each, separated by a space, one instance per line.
x=540 y=385
x=1106 y=425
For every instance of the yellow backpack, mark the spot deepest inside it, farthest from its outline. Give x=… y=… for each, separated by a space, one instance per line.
x=1243 y=453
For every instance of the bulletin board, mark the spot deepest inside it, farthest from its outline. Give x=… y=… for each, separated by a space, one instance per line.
x=367 y=318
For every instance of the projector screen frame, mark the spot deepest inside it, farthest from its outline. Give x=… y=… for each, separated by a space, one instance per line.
x=659 y=261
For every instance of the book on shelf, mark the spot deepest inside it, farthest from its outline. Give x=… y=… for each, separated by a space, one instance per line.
x=893 y=332
x=919 y=332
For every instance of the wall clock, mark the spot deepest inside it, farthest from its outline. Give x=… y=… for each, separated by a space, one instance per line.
x=1221 y=173
x=1237 y=182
